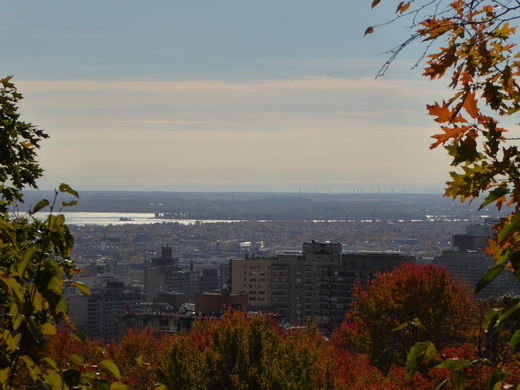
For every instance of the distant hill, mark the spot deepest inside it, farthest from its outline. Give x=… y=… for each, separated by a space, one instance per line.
x=268 y=206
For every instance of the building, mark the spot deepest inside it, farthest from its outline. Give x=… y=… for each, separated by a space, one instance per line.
x=252 y=276
x=98 y=313
x=164 y=275
x=209 y=280
x=468 y=260
x=316 y=283
x=216 y=303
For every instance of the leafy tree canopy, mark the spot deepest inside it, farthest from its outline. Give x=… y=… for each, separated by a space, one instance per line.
x=399 y=308
x=34 y=256
x=473 y=43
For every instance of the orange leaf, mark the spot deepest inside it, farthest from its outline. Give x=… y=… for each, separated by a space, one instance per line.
x=442 y=113
x=449 y=133
x=470 y=105
x=375 y=3
x=369 y=30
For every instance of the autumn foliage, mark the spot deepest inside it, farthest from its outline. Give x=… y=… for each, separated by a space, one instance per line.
x=242 y=351
x=473 y=43
x=413 y=303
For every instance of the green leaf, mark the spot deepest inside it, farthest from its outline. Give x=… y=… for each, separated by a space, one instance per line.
x=100 y=384
x=511 y=307
x=110 y=366
x=55 y=282
x=68 y=204
x=50 y=362
x=27 y=256
x=118 y=386
x=81 y=287
x=80 y=336
x=515 y=341
x=419 y=352
x=12 y=341
x=61 y=306
x=76 y=359
x=492 y=324
x=65 y=188
x=459 y=379
x=454 y=364
x=515 y=260
x=71 y=377
x=495 y=380
x=29 y=363
x=508 y=228
x=89 y=374
x=40 y=205
x=488 y=277
x=53 y=379
x=494 y=195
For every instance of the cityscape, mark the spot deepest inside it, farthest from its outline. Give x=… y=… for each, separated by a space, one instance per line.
x=171 y=270
x=241 y=195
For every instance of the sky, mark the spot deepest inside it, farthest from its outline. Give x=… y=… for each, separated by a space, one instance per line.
x=222 y=95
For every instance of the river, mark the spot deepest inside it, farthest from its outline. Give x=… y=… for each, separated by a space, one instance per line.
x=111 y=218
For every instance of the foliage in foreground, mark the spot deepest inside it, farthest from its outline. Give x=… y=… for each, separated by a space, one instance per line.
x=398 y=309
x=241 y=351
x=34 y=257
x=474 y=44
x=237 y=352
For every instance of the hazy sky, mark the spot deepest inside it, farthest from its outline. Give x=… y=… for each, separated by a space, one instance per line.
x=221 y=95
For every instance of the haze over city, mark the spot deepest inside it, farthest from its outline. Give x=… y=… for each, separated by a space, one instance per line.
x=228 y=96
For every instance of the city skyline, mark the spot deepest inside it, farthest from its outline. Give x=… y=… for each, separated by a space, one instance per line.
x=271 y=96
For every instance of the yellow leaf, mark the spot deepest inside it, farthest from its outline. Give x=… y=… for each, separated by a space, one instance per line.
x=48 y=329
x=4 y=376
x=118 y=386
x=110 y=366
x=81 y=287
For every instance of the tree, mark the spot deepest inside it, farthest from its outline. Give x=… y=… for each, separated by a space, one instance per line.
x=34 y=256
x=473 y=42
x=247 y=352
x=399 y=308
x=18 y=143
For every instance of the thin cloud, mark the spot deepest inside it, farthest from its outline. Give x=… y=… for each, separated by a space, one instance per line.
x=167 y=122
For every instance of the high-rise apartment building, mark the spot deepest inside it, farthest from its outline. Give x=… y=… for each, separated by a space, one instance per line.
x=468 y=260
x=98 y=314
x=316 y=283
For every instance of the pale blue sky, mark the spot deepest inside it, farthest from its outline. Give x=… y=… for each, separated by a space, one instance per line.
x=221 y=95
